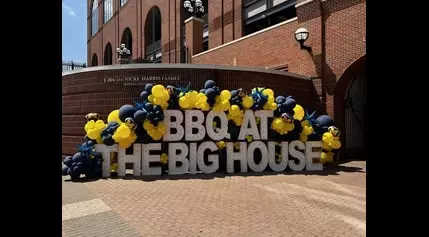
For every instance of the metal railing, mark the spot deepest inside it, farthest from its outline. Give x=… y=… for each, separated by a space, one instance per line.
x=149 y=48
x=70 y=65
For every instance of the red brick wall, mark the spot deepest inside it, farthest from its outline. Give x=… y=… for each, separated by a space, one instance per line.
x=342 y=42
x=133 y=15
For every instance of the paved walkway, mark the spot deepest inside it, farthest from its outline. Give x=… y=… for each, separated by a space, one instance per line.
x=329 y=203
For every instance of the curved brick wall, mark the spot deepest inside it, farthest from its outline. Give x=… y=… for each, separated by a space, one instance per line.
x=106 y=88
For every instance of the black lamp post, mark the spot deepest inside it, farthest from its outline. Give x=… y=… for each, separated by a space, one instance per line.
x=123 y=54
x=301 y=35
x=194 y=7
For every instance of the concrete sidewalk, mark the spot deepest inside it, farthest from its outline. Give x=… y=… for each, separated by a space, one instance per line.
x=329 y=203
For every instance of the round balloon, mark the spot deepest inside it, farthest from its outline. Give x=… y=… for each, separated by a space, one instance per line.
x=114 y=117
x=139 y=116
x=290 y=103
x=209 y=84
x=148 y=88
x=325 y=121
x=126 y=111
x=299 y=112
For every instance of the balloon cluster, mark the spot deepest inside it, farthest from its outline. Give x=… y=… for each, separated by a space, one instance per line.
x=108 y=132
x=86 y=161
x=263 y=99
x=155 y=132
x=157 y=95
x=143 y=122
x=93 y=130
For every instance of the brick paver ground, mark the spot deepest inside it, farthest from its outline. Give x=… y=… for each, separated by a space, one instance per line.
x=329 y=203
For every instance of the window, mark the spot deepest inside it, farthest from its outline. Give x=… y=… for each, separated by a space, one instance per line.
x=261 y=14
x=153 y=35
x=108 y=54
x=108 y=10
x=94 y=61
x=94 y=17
x=122 y=2
x=127 y=39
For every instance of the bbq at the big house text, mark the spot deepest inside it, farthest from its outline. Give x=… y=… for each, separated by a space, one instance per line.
x=187 y=147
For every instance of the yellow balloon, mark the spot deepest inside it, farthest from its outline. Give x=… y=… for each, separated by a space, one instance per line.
x=299 y=112
x=336 y=144
x=234 y=110
x=184 y=103
x=166 y=96
x=289 y=126
x=278 y=123
x=156 y=135
x=99 y=140
x=225 y=95
x=303 y=137
x=270 y=100
x=225 y=105
x=206 y=107
x=247 y=102
x=93 y=134
x=273 y=106
x=89 y=125
x=124 y=144
x=150 y=98
x=123 y=131
x=327 y=137
x=114 y=117
x=268 y=92
x=326 y=146
x=307 y=130
x=158 y=101
x=147 y=125
x=158 y=91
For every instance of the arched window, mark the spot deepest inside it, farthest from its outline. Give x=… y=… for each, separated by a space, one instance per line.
x=108 y=54
x=123 y=2
x=94 y=17
x=94 y=61
x=108 y=10
x=153 y=35
x=127 y=39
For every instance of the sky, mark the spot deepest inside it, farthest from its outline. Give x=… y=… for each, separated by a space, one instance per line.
x=74 y=30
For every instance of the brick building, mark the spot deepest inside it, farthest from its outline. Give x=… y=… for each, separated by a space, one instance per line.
x=257 y=33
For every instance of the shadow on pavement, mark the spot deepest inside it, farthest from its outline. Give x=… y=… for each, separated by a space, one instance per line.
x=330 y=169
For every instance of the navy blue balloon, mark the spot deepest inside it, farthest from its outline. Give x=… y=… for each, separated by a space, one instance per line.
x=126 y=111
x=290 y=103
x=78 y=157
x=64 y=170
x=234 y=93
x=77 y=169
x=256 y=107
x=148 y=88
x=68 y=160
x=209 y=84
x=290 y=97
x=108 y=140
x=150 y=116
x=325 y=120
x=139 y=116
x=144 y=95
x=149 y=106
x=210 y=93
x=280 y=99
x=203 y=91
x=157 y=108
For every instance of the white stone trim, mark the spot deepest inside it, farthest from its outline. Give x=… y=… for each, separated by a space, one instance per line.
x=194 y=18
x=302 y=3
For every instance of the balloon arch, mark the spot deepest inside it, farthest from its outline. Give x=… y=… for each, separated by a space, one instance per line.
x=144 y=123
